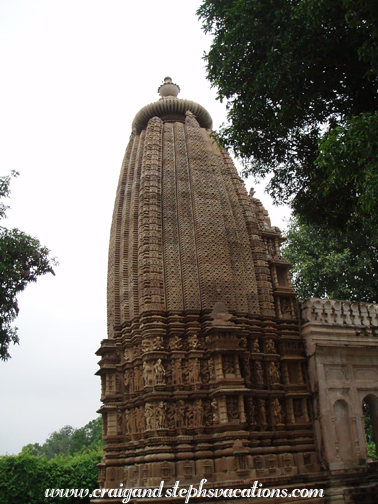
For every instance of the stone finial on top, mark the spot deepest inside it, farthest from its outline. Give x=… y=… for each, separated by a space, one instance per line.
x=168 y=88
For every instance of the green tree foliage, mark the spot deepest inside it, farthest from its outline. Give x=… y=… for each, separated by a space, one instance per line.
x=67 y=460
x=22 y=260
x=329 y=263
x=371 y=448
x=69 y=441
x=300 y=80
x=25 y=478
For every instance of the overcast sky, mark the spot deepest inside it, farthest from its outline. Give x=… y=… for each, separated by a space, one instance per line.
x=74 y=74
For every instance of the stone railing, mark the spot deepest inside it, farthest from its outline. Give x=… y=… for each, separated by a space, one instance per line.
x=340 y=313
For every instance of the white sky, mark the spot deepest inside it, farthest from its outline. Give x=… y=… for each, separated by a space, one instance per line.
x=74 y=74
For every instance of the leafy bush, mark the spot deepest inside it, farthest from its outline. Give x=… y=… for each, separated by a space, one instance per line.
x=25 y=477
x=67 y=460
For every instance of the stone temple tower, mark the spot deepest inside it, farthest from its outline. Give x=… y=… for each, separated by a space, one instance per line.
x=203 y=372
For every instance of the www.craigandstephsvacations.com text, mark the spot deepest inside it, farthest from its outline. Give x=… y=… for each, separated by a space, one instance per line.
x=255 y=491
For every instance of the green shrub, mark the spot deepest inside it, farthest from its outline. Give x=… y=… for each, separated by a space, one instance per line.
x=24 y=478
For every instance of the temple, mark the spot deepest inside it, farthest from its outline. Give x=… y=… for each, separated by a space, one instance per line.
x=206 y=372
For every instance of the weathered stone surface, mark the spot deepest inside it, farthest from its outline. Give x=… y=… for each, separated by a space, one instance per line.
x=204 y=373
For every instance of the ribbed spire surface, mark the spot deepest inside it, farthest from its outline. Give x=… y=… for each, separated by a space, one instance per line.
x=203 y=367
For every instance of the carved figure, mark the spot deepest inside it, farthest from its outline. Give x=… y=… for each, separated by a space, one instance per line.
x=228 y=364
x=160 y=415
x=146 y=346
x=147 y=373
x=214 y=406
x=159 y=372
x=269 y=345
x=271 y=248
x=158 y=343
x=193 y=371
x=259 y=373
x=170 y=413
x=285 y=307
x=205 y=372
x=180 y=414
x=298 y=415
x=247 y=369
x=232 y=408
x=140 y=419
x=175 y=343
x=255 y=346
x=149 y=415
x=278 y=413
x=243 y=342
x=129 y=422
x=189 y=416
x=262 y=412
x=198 y=413
x=193 y=342
x=177 y=372
x=207 y=413
x=274 y=373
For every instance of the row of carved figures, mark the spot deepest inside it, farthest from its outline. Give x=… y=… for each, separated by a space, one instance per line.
x=194 y=371
x=191 y=343
x=200 y=413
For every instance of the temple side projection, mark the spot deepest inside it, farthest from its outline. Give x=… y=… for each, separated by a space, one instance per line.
x=203 y=372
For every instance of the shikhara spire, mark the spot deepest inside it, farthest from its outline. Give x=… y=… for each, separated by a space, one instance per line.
x=203 y=373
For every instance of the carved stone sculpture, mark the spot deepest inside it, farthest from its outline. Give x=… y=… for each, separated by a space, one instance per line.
x=193 y=371
x=232 y=408
x=255 y=346
x=228 y=364
x=214 y=406
x=193 y=342
x=262 y=413
x=198 y=413
x=259 y=373
x=159 y=373
x=180 y=414
x=160 y=415
x=175 y=343
x=270 y=347
x=149 y=415
x=251 y=410
x=274 y=373
x=158 y=343
x=177 y=372
x=278 y=413
x=147 y=373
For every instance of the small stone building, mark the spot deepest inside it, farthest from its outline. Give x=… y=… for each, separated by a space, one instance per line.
x=205 y=369
x=341 y=342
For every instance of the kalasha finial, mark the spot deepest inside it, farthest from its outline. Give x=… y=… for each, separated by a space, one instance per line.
x=168 y=88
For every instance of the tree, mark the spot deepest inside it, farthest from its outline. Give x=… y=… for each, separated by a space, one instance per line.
x=67 y=460
x=69 y=441
x=36 y=480
x=23 y=260
x=301 y=82
x=329 y=263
